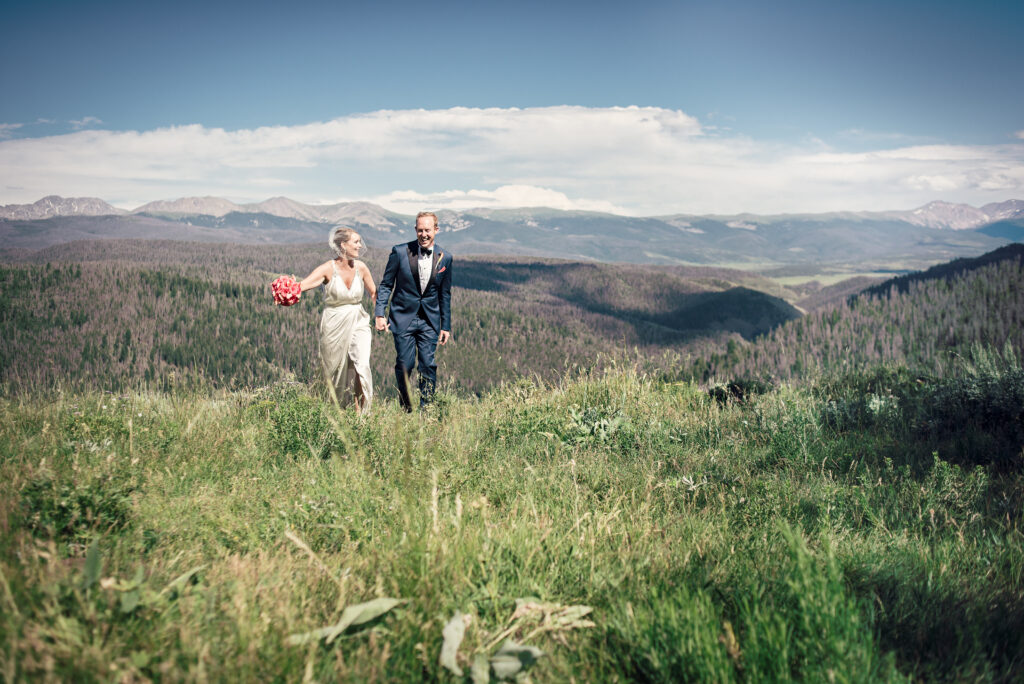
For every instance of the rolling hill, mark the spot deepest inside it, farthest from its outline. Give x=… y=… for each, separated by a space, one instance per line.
x=925 y=322
x=854 y=241
x=115 y=313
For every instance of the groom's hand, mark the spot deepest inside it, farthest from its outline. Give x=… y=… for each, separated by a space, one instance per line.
x=444 y=336
x=381 y=323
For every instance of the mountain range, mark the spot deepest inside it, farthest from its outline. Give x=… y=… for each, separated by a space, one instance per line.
x=895 y=240
x=55 y=206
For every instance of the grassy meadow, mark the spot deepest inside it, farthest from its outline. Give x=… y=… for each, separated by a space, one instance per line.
x=609 y=526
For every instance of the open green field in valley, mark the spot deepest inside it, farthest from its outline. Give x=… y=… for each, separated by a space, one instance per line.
x=829 y=497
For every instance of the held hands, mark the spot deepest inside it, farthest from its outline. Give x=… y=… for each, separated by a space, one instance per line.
x=381 y=324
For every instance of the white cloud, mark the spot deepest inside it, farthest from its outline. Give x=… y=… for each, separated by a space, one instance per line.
x=878 y=137
x=6 y=128
x=84 y=122
x=936 y=184
x=503 y=197
x=636 y=160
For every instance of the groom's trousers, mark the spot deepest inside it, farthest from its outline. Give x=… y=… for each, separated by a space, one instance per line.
x=419 y=339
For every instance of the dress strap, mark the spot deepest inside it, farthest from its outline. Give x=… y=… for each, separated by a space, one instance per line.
x=334 y=265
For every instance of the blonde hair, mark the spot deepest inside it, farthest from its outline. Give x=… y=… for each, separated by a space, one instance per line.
x=340 y=235
x=423 y=214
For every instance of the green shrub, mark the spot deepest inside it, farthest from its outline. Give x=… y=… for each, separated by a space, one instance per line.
x=297 y=424
x=974 y=416
x=978 y=418
x=740 y=390
x=874 y=398
x=592 y=425
x=866 y=411
x=71 y=511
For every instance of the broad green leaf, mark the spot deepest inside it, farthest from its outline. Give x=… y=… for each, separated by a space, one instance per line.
x=480 y=673
x=552 y=616
x=527 y=605
x=70 y=631
x=316 y=634
x=127 y=585
x=452 y=633
x=130 y=600
x=93 y=565
x=511 y=659
x=140 y=575
x=571 y=617
x=178 y=582
x=353 y=616
x=360 y=614
x=299 y=639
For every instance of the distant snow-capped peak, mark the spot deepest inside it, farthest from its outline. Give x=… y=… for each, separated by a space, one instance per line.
x=356 y=213
x=54 y=205
x=938 y=214
x=202 y=206
x=285 y=207
x=1000 y=211
x=947 y=215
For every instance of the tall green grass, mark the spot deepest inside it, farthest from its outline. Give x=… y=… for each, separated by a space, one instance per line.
x=188 y=536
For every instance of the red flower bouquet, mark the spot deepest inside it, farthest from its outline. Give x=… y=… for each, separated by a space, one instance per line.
x=286 y=290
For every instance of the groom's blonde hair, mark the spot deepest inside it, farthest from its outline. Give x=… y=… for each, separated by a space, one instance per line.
x=426 y=213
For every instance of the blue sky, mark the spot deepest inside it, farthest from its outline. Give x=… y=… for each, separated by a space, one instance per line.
x=635 y=107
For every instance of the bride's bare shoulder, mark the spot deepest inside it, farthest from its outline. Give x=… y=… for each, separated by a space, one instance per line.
x=326 y=269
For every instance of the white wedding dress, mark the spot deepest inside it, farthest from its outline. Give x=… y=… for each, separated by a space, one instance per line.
x=345 y=341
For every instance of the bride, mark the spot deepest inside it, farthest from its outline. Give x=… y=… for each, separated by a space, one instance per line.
x=345 y=325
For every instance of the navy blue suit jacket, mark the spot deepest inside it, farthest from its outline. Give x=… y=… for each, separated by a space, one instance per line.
x=401 y=284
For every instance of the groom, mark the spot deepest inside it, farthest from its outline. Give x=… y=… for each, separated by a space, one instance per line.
x=418 y=281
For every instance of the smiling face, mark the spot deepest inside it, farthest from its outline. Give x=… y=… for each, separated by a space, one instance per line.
x=352 y=246
x=426 y=230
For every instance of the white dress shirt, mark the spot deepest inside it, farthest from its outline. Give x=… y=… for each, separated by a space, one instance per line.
x=425 y=262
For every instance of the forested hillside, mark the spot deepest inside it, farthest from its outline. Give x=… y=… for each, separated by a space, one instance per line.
x=114 y=314
x=923 y=321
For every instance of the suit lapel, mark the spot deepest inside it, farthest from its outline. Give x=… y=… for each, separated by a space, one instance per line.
x=438 y=255
x=414 y=269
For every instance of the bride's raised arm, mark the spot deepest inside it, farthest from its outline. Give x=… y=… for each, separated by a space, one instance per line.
x=320 y=275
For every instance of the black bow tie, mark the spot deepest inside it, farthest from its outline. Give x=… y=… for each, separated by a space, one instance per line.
x=426 y=252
